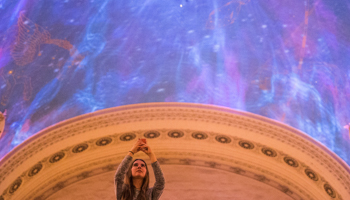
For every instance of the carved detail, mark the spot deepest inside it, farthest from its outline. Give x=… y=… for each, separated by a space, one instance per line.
x=127 y=137
x=152 y=134
x=15 y=185
x=35 y=170
x=199 y=135
x=176 y=134
x=103 y=141
x=57 y=157
x=269 y=152
x=311 y=174
x=291 y=161
x=246 y=144
x=223 y=139
x=235 y=121
x=329 y=190
x=80 y=148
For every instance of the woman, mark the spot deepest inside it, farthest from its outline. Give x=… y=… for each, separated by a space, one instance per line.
x=132 y=178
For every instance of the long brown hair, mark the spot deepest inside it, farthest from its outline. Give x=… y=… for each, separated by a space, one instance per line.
x=129 y=188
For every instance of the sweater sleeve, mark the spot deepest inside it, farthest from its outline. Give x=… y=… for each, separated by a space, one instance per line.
x=119 y=176
x=159 y=185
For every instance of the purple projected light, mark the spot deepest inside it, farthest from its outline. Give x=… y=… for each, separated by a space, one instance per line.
x=286 y=60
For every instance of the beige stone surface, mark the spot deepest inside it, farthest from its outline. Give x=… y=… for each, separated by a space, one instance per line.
x=182 y=182
x=206 y=152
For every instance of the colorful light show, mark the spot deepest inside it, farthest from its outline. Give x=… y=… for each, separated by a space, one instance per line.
x=285 y=60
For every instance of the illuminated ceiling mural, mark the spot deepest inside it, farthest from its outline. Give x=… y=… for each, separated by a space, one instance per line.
x=286 y=60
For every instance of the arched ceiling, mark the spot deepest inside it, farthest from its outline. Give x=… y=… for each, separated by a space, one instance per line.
x=224 y=150
x=282 y=59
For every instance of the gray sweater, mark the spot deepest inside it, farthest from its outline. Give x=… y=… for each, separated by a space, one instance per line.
x=152 y=193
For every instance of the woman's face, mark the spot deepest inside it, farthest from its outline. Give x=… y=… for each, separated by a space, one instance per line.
x=138 y=169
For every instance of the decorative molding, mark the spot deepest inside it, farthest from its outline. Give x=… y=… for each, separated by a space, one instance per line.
x=57 y=157
x=175 y=161
x=103 y=141
x=223 y=139
x=269 y=152
x=176 y=134
x=199 y=135
x=151 y=134
x=35 y=170
x=127 y=137
x=236 y=166
x=191 y=113
x=311 y=174
x=183 y=114
x=80 y=148
x=291 y=161
x=246 y=144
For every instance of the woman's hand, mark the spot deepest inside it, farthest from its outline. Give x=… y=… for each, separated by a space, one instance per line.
x=146 y=149
x=138 y=146
x=141 y=145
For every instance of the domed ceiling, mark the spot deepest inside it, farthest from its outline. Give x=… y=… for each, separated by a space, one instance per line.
x=205 y=152
x=281 y=59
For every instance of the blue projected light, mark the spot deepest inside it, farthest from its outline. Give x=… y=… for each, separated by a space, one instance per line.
x=286 y=60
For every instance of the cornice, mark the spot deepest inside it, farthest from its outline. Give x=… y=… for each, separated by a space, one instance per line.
x=240 y=167
x=192 y=113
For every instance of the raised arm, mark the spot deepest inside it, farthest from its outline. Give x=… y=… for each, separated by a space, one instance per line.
x=159 y=185
x=120 y=174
